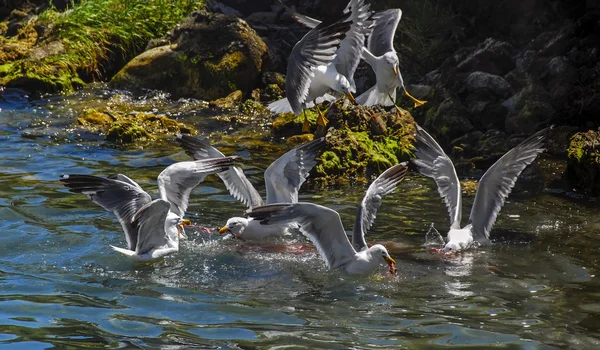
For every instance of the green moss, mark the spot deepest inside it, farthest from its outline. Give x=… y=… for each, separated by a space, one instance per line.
x=585 y=146
x=253 y=108
x=289 y=124
x=126 y=132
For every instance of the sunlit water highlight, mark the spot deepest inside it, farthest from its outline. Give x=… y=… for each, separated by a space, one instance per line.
x=62 y=285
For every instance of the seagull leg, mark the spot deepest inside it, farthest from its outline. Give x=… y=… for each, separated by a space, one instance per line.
x=398 y=111
x=321 y=120
x=418 y=103
x=306 y=124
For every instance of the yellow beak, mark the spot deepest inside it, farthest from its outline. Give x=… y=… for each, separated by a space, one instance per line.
x=223 y=229
x=180 y=230
x=395 y=70
x=351 y=98
x=389 y=260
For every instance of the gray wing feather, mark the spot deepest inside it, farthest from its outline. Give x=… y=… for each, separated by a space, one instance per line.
x=285 y=175
x=433 y=162
x=350 y=51
x=150 y=223
x=300 y=18
x=381 y=39
x=320 y=224
x=234 y=178
x=497 y=183
x=316 y=48
x=118 y=194
x=382 y=186
x=177 y=181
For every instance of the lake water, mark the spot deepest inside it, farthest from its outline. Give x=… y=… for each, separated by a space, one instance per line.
x=61 y=285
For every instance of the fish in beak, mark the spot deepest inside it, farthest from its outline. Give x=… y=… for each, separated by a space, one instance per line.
x=180 y=230
x=391 y=264
x=224 y=229
x=351 y=98
x=395 y=70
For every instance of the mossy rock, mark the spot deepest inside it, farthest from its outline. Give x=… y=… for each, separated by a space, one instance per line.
x=288 y=124
x=210 y=56
x=127 y=132
x=583 y=168
x=128 y=128
x=363 y=141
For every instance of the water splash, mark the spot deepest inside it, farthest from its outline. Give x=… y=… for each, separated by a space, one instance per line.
x=433 y=238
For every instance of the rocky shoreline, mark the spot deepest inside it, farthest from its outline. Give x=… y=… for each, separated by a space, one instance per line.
x=491 y=85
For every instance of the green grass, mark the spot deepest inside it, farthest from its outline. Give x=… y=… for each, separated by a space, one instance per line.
x=93 y=30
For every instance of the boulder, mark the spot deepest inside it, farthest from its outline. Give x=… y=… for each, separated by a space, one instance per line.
x=490 y=82
x=491 y=56
x=209 y=57
x=531 y=109
x=583 y=168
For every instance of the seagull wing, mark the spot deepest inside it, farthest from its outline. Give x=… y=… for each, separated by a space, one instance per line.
x=285 y=175
x=348 y=55
x=234 y=178
x=150 y=223
x=117 y=193
x=300 y=18
x=383 y=185
x=381 y=39
x=497 y=183
x=320 y=224
x=434 y=163
x=177 y=181
x=316 y=48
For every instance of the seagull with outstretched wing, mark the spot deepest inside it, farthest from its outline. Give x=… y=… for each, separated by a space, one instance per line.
x=152 y=227
x=283 y=179
x=493 y=188
x=321 y=61
x=324 y=227
x=382 y=57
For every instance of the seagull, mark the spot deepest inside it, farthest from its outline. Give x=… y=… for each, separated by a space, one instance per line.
x=382 y=57
x=152 y=227
x=324 y=227
x=493 y=188
x=316 y=65
x=283 y=179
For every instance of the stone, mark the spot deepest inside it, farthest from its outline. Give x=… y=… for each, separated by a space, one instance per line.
x=209 y=57
x=583 y=168
x=228 y=102
x=490 y=82
x=491 y=56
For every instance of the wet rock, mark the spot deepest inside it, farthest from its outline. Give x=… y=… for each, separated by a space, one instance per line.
x=210 y=56
x=532 y=109
x=491 y=56
x=127 y=128
x=361 y=141
x=228 y=102
x=583 y=168
x=448 y=121
x=490 y=82
x=487 y=115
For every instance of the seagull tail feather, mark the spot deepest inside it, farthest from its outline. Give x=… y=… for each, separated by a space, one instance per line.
x=374 y=97
x=280 y=106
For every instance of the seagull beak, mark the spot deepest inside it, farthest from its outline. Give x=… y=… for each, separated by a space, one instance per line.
x=395 y=70
x=351 y=98
x=224 y=229
x=180 y=230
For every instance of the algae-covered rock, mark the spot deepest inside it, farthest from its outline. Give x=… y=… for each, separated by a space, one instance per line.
x=363 y=140
x=228 y=102
x=210 y=56
x=128 y=128
x=583 y=168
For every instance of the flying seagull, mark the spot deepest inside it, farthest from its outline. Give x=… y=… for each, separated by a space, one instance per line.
x=152 y=227
x=493 y=188
x=316 y=65
x=283 y=179
x=382 y=57
x=324 y=228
